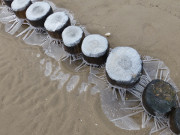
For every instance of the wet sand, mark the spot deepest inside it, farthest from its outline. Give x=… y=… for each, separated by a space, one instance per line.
x=31 y=104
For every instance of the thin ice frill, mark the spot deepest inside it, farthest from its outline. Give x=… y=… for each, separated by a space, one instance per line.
x=115 y=109
x=9 y=19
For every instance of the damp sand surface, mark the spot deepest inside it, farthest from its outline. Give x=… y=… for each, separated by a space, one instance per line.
x=32 y=104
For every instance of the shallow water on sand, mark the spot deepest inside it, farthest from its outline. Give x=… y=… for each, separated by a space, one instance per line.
x=32 y=104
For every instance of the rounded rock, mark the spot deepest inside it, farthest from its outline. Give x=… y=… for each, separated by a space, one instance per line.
x=159 y=98
x=174 y=121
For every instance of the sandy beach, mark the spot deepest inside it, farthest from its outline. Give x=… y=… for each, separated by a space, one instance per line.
x=32 y=104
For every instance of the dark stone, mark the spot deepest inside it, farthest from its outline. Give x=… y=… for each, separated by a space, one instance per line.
x=159 y=98
x=40 y=22
x=175 y=121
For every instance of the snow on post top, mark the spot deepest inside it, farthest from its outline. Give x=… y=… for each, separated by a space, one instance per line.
x=37 y=10
x=94 y=45
x=72 y=36
x=56 y=21
x=19 y=5
x=123 y=64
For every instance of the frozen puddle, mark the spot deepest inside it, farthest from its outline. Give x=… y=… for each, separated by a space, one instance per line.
x=42 y=61
x=113 y=110
x=54 y=75
x=98 y=84
x=73 y=82
x=83 y=87
x=48 y=69
x=70 y=81
x=63 y=78
x=67 y=80
x=53 y=49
